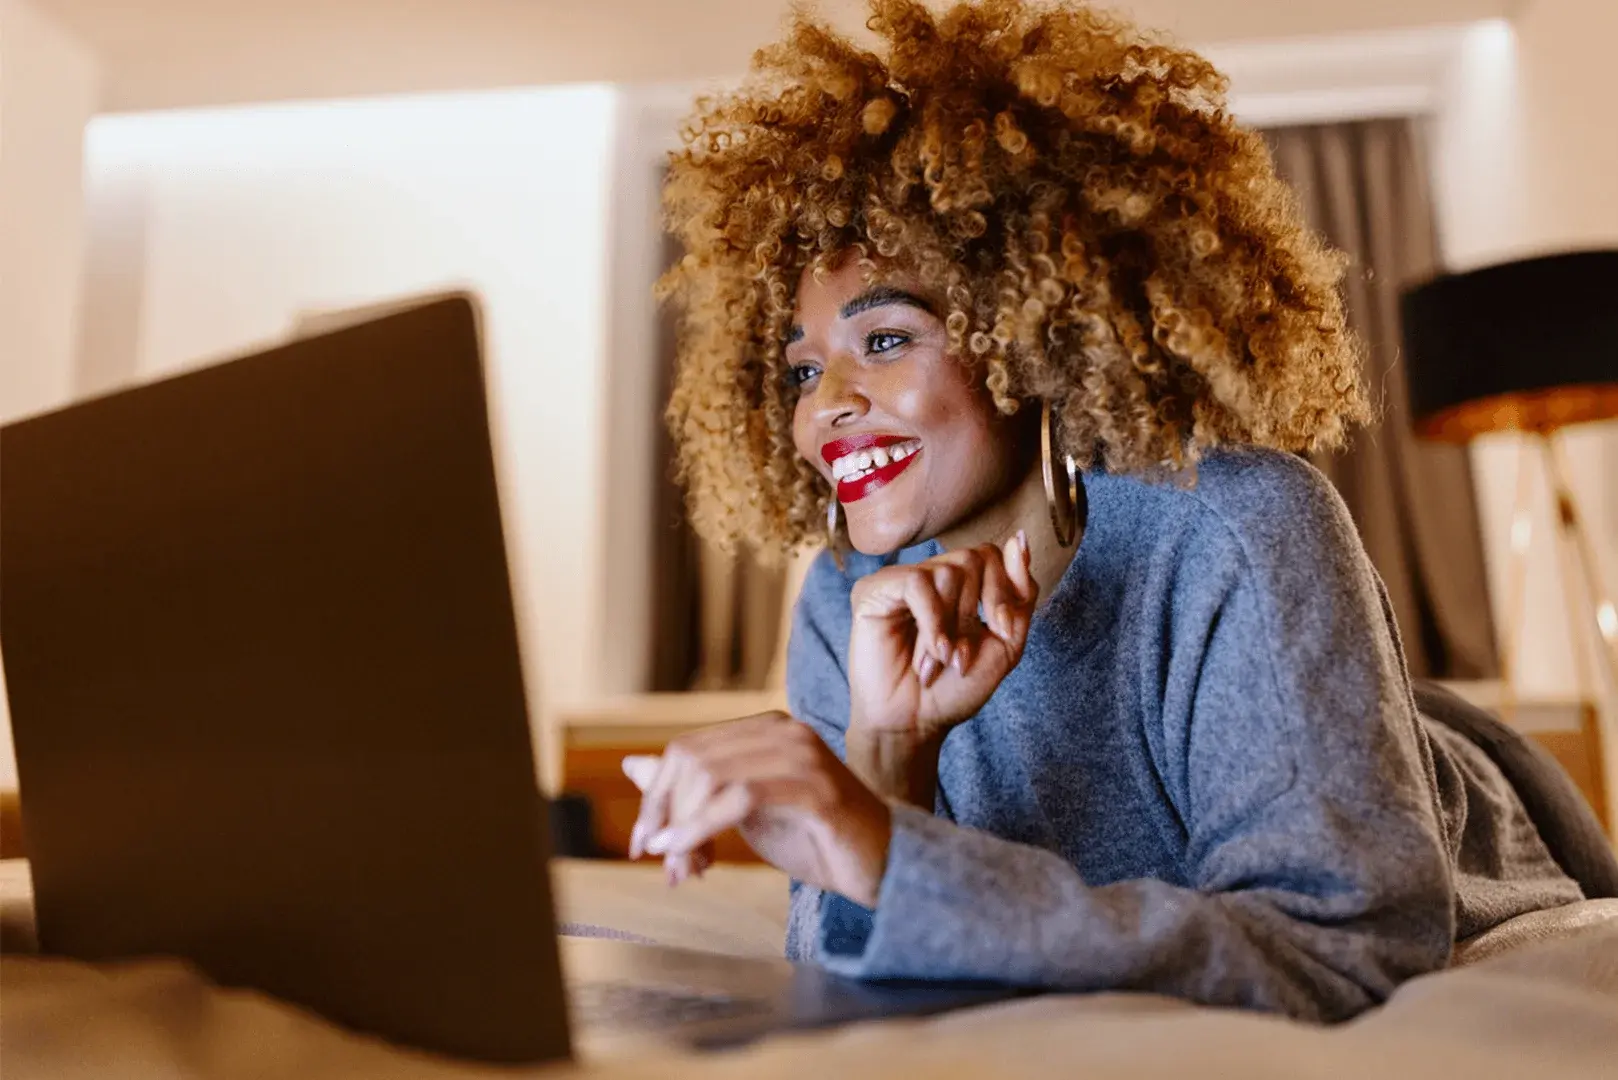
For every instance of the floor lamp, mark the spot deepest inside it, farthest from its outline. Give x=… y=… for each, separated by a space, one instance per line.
x=1528 y=346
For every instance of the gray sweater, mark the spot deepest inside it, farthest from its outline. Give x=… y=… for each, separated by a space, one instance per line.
x=1207 y=777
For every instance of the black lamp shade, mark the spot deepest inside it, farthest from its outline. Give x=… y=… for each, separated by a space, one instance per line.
x=1529 y=345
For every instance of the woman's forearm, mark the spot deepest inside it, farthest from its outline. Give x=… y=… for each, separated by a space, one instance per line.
x=896 y=765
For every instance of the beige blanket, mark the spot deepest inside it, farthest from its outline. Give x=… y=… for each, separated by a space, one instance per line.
x=1543 y=1003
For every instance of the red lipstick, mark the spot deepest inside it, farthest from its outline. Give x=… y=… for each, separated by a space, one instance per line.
x=840 y=447
x=849 y=491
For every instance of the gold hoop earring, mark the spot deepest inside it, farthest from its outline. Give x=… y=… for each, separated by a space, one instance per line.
x=1070 y=526
x=833 y=517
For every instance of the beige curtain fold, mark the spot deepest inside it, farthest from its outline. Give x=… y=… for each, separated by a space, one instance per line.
x=716 y=618
x=740 y=606
x=1363 y=185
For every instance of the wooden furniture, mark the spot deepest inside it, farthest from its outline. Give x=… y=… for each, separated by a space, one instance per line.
x=1579 y=752
x=1568 y=729
x=11 y=841
x=595 y=740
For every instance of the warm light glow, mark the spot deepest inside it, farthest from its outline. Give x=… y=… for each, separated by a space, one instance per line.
x=1522 y=531
x=1607 y=619
x=1545 y=409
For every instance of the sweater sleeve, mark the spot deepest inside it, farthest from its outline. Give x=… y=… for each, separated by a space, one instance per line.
x=1317 y=879
x=817 y=695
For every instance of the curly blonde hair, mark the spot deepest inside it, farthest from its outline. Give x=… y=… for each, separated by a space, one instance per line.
x=1103 y=235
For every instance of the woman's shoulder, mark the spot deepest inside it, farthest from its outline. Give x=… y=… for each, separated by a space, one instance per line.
x=1284 y=523
x=1256 y=482
x=1249 y=510
x=1255 y=495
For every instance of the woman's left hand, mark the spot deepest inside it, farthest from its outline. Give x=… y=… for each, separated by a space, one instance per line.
x=773 y=779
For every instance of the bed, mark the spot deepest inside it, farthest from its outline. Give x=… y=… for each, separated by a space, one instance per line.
x=1535 y=997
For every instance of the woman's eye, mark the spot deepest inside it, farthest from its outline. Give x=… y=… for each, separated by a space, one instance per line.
x=885 y=341
x=802 y=374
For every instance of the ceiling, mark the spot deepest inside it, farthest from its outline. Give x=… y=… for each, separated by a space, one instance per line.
x=179 y=53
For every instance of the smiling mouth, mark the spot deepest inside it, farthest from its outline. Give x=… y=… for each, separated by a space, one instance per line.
x=861 y=466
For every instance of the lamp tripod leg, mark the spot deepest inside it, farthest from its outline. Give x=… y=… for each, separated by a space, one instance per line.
x=1578 y=556
x=1522 y=533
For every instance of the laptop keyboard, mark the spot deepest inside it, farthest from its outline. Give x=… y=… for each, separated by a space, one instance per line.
x=626 y=1005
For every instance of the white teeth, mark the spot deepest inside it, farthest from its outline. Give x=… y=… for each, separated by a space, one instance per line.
x=861 y=463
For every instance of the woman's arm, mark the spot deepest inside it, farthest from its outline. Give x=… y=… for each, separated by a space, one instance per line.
x=1317 y=876
x=896 y=765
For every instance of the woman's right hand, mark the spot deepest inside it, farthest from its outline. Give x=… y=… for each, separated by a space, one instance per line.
x=920 y=660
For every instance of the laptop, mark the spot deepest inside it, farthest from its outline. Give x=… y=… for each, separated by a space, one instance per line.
x=269 y=713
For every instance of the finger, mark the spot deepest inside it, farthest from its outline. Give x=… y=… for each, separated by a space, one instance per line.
x=1020 y=618
x=641 y=768
x=949 y=580
x=676 y=868
x=967 y=626
x=927 y=609
x=680 y=868
x=881 y=595
x=999 y=592
x=727 y=809
x=702 y=857
x=1019 y=568
x=741 y=752
x=655 y=800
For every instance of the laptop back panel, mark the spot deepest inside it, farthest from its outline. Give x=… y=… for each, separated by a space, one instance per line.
x=265 y=684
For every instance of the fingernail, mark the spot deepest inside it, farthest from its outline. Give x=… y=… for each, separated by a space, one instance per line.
x=640 y=769
x=660 y=843
x=635 y=836
x=929 y=670
x=942 y=649
x=957 y=659
x=1002 y=615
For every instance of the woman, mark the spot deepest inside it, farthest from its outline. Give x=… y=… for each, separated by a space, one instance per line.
x=1096 y=688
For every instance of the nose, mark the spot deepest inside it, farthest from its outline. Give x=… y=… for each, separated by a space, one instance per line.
x=839 y=398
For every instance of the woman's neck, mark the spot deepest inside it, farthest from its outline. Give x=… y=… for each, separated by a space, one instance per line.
x=1023 y=507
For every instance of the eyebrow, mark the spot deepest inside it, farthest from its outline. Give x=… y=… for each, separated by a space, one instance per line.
x=874 y=297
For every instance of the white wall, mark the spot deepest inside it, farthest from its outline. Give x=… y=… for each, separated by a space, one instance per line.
x=48 y=87
x=1525 y=155
x=235 y=222
x=186 y=53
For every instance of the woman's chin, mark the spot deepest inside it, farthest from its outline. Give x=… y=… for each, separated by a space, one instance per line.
x=883 y=537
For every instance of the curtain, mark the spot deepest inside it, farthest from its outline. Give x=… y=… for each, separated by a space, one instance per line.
x=740 y=610
x=716 y=618
x=1362 y=184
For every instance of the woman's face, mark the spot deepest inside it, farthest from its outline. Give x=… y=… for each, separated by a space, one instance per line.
x=911 y=441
